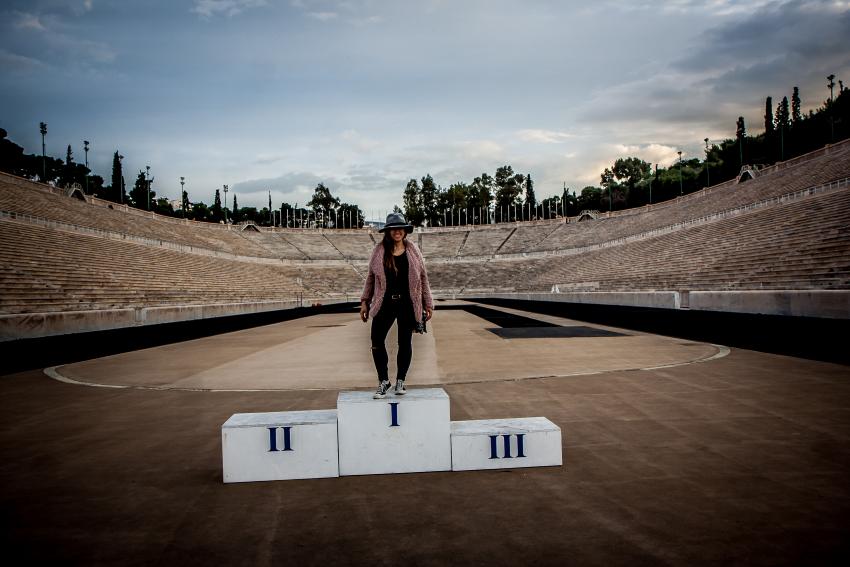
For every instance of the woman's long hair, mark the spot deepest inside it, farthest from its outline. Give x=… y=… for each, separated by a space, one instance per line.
x=389 y=259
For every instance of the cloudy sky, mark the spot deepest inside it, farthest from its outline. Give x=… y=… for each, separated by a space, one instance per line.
x=364 y=94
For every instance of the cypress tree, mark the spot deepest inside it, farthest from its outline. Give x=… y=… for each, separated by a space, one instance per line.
x=412 y=201
x=67 y=177
x=428 y=200
x=740 y=134
x=564 y=201
x=783 y=115
x=783 y=121
x=117 y=180
x=796 y=116
x=768 y=116
x=530 y=198
x=215 y=211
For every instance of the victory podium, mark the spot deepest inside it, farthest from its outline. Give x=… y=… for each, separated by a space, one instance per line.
x=397 y=434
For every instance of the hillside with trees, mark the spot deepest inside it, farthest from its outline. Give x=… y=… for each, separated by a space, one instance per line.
x=505 y=196
x=631 y=181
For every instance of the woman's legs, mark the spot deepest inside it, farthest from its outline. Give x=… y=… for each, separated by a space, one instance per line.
x=403 y=313
x=380 y=327
x=405 y=342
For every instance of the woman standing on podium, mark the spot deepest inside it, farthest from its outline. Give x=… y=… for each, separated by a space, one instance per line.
x=396 y=289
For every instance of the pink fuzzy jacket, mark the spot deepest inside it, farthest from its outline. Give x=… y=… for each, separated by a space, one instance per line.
x=376 y=281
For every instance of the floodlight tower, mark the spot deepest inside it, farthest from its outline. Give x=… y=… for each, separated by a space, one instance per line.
x=86 y=150
x=226 y=189
x=183 y=200
x=148 y=184
x=680 y=173
x=42 y=127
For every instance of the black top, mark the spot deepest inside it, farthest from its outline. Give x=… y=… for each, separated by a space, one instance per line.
x=398 y=284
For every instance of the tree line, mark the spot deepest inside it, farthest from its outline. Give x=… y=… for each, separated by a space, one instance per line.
x=507 y=196
x=323 y=210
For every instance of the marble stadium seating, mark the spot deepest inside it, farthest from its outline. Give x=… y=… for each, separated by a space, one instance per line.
x=61 y=254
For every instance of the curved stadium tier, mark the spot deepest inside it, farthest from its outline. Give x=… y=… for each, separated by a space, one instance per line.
x=776 y=244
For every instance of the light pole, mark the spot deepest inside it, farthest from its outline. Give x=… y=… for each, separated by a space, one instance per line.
x=121 y=188
x=226 y=189
x=650 y=182
x=707 y=174
x=42 y=127
x=86 y=150
x=680 y=173
x=183 y=200
x=148 y=183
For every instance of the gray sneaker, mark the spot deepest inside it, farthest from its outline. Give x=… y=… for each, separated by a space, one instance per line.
x=381 y=393
x=399 y=388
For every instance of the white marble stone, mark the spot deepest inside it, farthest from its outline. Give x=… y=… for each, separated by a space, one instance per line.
x=505 y=443
x=280 y=446
x=371 y=442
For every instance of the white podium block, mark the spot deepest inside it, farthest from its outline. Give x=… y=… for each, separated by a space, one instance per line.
x=280 y=446
x=505 y=444
x=399 y=434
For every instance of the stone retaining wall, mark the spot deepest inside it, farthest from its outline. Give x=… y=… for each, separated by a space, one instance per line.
x=829 y=304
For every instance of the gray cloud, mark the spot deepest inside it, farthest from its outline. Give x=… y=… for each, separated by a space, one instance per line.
x=732 y=67
x=260 y=95
x=211 y=8
x=791 y=31
x=14 y=62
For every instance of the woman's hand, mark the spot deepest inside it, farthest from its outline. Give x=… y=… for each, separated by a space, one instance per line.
x=428 y=313
x=364 y=312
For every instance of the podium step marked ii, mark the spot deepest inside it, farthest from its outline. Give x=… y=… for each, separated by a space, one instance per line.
x=280 y=446
x=398 y=434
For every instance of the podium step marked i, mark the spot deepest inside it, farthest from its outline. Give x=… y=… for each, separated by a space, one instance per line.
x=397 y=434
x=280 y=446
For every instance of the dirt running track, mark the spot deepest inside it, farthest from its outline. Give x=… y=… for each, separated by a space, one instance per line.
x=739 y=460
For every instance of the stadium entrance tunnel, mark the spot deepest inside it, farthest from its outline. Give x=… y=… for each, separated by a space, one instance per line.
x=27 y=354
x=806 y=337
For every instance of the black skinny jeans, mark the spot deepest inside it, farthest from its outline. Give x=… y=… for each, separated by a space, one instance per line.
x=400 y=310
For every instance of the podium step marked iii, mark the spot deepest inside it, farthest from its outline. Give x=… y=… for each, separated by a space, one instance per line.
x=280 y=446
x=505 y=443
x=398 y=434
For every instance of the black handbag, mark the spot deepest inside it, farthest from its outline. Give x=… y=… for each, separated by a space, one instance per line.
x=421 y=327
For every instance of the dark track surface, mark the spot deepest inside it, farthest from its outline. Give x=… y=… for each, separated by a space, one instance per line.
x=743 y=460
x=553 y=332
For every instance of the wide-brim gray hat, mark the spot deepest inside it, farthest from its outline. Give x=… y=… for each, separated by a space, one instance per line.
x=397 y=220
